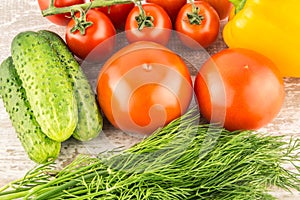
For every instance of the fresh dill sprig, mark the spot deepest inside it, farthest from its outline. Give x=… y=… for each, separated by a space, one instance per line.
x=183 y=160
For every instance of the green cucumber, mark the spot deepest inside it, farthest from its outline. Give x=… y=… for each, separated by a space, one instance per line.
x=37 y=145
x=49 y=91
x=89 y=118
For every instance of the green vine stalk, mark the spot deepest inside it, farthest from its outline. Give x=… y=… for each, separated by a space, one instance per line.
x=52 y=10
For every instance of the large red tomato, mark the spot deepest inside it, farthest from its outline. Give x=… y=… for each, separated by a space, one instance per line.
x=202 y=26
x=160 y=32
x=223 y=7
x=239 y=88
x=59 y=19
x=143 y=87
x=97 y=43
x=117 y=14
x=171 y=6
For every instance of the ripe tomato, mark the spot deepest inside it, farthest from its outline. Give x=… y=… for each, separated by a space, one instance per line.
x=171 y=6
x=143 y=87
x=222 y=7
x=240 y=88
x=98 y=41
x=204 y=31
x=117 y=14
x=162 y=25
x=59 y=19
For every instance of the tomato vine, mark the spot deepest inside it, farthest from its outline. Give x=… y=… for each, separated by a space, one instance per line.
x=52 y=10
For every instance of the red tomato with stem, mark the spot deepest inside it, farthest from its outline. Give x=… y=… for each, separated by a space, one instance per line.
x=117 y=14
x=223 y=7
x=239 y=88
x=143 y=87
x=149 y=22
x=200 y=28
x=98 y=40
x=172 y=7
x=59 y=19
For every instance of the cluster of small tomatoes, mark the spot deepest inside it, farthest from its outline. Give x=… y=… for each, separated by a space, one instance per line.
x=164 y=15
x=237 y=87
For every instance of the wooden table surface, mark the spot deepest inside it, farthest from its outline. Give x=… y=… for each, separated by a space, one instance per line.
x=21 y=15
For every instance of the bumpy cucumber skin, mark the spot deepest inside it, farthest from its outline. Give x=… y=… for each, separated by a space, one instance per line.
x=37 y=145
x=90 y=121
x=46 y=83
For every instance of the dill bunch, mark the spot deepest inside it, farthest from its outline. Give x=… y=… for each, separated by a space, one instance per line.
x=183 y=160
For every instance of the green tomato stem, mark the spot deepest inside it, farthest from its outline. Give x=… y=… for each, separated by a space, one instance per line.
x=194 y=17
x=142 y=19
x=81 y=24
x=52 y=10
x=51 y=3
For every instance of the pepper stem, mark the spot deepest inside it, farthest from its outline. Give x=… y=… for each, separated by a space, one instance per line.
x=238 y=5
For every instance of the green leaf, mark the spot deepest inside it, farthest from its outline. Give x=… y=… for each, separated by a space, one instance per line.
x=238 y=5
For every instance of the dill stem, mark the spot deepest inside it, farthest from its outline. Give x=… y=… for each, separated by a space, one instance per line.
x=74 y=176
x=14 y=195
x=56 y=190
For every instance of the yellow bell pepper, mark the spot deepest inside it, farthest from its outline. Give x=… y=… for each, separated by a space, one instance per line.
x=270 y=27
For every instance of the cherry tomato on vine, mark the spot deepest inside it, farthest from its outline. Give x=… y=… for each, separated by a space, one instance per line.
x=172 y=7
x=97 y=42
x=240 y=88
x=200 y=28
x=117 y=14
x=59 y=19
x=223 y=7
x=152 y=24
x=143 y=87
